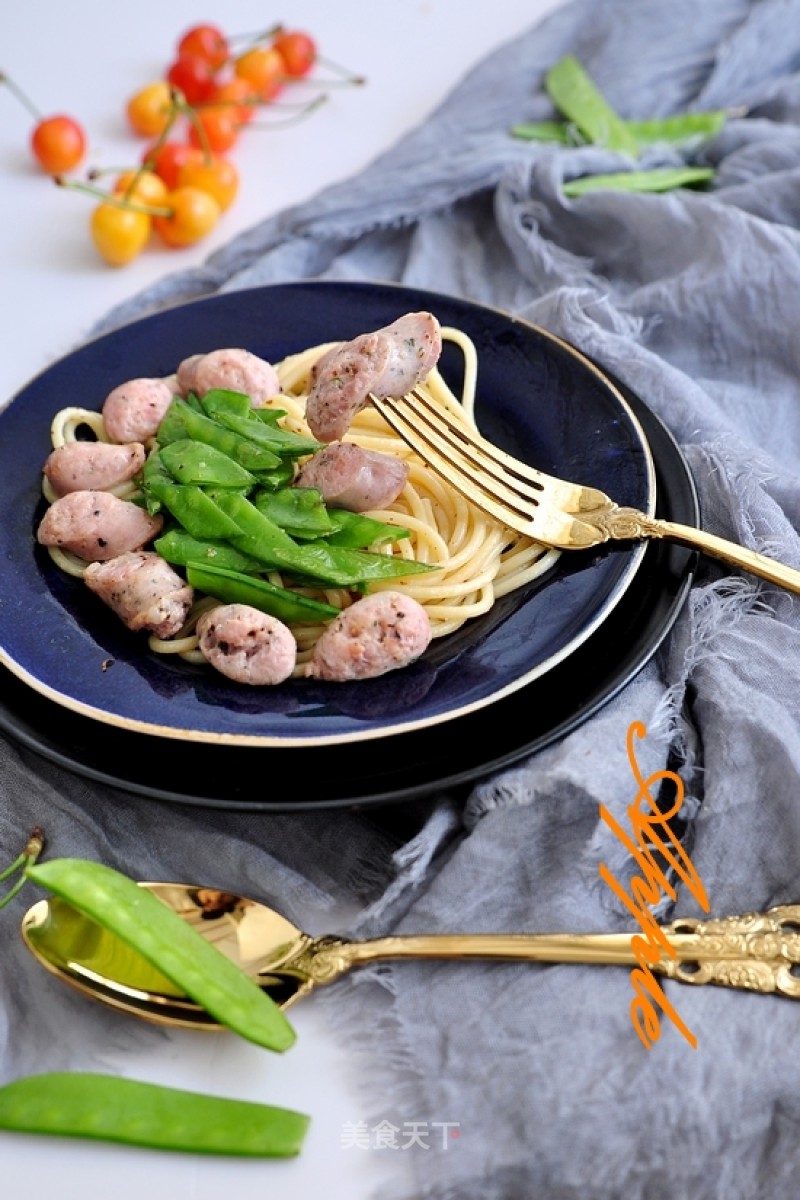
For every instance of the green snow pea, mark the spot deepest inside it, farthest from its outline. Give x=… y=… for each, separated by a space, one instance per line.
x=660 y=179
x=270 y=415
x=178 y=547
x=198 y=463
x=233 y=587
x=269 y=436
x=221 y=400
x=300 y=511
x=356 y=530
x=338 y=565
x=189 y=505
x=181 y=421
x=355 y=567
x=546 y=131
x=218 y=400
x=575 y=94
x=278 y=477
x=164 y=939
x=114 y=1109
x=257 y=424
x=680 y=127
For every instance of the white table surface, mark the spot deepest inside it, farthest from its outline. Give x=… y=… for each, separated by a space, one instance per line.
x=87 y=58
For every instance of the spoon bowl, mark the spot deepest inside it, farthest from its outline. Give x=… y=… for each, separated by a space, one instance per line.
x=82 y=953
x=288 y=964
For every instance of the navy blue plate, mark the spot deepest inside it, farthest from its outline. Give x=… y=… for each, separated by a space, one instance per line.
x=537 y=397
x=451 y=756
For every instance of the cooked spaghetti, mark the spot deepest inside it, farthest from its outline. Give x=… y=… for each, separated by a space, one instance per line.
x=478 y=559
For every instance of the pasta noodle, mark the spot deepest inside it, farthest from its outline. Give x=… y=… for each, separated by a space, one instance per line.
x=478 y=560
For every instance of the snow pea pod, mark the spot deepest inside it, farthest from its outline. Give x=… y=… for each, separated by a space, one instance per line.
x=575 y=94
x=129 y=1111
x=181 y=421
x=256 y=424
x=272 y=437
x=198 y=463
x=232 y=587
x=303 y=514
x=660 y=179
x=179 y=548
x=219 y=400
x=263 y=539
x=356 y=530
x=189 y=505
x=165 y=940
x=300 y=511
x=546 y=131
x=681 y=127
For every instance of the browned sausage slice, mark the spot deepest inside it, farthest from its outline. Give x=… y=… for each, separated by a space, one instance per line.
x=133 y=411
x=143 y=590
x=376 y=634
x=247 y=645
x=389 y=362
x=96 y=525
x=353 y=478
x=90 y=466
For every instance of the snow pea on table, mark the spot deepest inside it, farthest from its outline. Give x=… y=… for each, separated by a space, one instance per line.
x=122 y=1110
x=129 y=1111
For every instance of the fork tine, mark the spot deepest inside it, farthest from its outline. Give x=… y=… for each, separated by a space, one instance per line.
x=514 y=494
x=483 y=455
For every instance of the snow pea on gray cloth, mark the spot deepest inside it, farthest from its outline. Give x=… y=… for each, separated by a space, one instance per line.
x=692 y=299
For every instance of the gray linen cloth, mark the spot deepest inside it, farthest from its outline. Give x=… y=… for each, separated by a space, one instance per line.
x=693 y=300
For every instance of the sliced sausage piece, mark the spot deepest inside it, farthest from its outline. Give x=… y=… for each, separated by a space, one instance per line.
x=351 y=477
x=184 y=376
x=88 y=466
x=133 y=411
x=96 y=525
x=376 y=634
x=389 y=362
x=247 y=645
x=143 y=590
x=235 y=371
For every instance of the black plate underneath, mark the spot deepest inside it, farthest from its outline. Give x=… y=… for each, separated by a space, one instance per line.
x=412 y=765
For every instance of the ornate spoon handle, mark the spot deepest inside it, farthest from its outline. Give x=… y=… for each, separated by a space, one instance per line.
x=755 y=951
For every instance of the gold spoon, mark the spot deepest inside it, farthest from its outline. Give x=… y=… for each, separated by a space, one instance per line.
x=755 y=951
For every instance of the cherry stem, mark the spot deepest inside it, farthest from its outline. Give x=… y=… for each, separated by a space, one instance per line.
x=305 y=110
x=253 y=39
x=116 y=201
x=98 y=172
x=24 y=100
x=315 y=81
x=197 y=125
x=178 y=106
x=347 y=75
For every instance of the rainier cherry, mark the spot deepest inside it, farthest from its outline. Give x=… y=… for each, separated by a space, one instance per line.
x=119 y=234
x=190 y=214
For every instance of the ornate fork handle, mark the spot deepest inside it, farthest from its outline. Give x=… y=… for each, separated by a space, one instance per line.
x=754 y=951
x=613 y=523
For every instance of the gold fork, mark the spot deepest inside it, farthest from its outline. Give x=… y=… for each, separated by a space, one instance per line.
x=552 y=511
